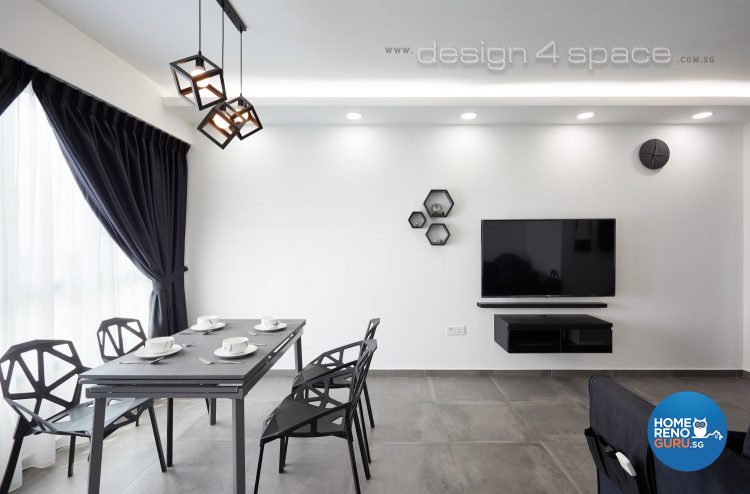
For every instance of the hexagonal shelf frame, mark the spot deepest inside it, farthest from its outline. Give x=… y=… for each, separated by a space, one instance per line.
x=417 y=219
x=438 y=203
x=438 y=234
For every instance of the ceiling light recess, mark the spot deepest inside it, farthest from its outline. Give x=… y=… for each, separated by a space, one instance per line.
x=702 y=115
x=470 y=115
x=585 y=115
x=353 y=115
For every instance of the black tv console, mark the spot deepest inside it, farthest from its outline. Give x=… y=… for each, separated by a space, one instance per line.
x=553 y=333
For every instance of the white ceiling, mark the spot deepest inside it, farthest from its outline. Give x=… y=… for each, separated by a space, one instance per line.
x=319 y=53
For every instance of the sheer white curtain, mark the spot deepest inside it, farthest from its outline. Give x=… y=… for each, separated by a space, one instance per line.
x=60 y=272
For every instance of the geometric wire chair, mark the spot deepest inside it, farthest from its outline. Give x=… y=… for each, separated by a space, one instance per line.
x=119 y=336
x=32 y=392
x=341 y=358
x=311 y=411
x=338 y=358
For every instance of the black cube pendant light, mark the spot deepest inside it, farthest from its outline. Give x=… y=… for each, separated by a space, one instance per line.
x=198 y=80
x=242 y=111
x=201 y=82
x=220 y=124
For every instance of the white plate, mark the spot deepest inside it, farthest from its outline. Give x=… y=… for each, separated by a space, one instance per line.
x=219 y=352
x=142 y=353
x=195 y=327
x=261 y=327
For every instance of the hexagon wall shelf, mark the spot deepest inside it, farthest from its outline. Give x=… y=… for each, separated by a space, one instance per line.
x=417 y=219
x=438 y=234
x=438 y=203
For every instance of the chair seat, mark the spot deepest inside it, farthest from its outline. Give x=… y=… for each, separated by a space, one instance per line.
x=292 y=412
x=79 y=420
x=312 y=372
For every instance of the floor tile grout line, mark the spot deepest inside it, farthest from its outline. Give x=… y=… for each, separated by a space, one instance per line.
x=492 y=378
x=520 y=417
x=563 y=469
x=569 y=394
x=431 y=388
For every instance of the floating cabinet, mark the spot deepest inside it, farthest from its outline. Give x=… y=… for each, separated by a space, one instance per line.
x=553 y=333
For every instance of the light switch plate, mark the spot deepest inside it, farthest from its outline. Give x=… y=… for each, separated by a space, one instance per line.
x=455 y=331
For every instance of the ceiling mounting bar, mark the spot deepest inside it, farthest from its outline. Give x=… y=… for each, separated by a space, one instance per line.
x=233 y=15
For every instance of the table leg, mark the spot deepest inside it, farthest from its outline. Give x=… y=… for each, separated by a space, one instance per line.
x=298 y=352
x=212 y=411
x=238 y=444
x=170 y=429
x=97 y=444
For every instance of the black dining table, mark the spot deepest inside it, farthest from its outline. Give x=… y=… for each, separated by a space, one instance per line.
x=183 y=375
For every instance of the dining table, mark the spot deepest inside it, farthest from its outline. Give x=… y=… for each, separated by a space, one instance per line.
x=187 y=375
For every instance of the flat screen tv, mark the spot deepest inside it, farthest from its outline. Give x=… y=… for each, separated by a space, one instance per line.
x=548 y=258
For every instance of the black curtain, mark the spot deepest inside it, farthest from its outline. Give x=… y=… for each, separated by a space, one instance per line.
x=15 y=75
x=134 y=176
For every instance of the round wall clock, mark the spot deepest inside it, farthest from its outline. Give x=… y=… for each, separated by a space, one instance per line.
x=654 y=154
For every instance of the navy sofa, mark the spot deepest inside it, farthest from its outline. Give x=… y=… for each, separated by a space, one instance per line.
x=619 y=421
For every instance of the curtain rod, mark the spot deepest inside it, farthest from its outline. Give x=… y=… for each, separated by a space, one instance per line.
x=63 y=81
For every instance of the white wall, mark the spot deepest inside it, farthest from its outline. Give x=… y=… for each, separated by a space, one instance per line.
x=312 y=222
x=746 y=245
x=37 y=35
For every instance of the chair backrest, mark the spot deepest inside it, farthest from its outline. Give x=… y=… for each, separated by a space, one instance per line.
x=119 y=336
x=361 y=368
x=34 y=387
x=620 y=418
x=372 y=326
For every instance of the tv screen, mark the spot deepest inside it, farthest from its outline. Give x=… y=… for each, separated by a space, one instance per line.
x=567 y=258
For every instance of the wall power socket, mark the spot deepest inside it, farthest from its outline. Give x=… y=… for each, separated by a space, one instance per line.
x=455 y=331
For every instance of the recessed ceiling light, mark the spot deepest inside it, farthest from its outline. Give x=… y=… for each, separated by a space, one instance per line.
x=585 y=115
x=469 y=116
x=702 y=115
x=353 y=116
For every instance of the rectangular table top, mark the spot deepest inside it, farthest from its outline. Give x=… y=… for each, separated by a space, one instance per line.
x=184 y=367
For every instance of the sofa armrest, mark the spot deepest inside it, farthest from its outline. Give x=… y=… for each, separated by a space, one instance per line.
x=729 y=474
x=736 y=441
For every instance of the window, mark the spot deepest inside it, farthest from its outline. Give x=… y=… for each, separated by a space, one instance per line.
x=61 y=274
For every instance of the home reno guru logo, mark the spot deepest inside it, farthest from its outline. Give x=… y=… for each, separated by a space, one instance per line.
x=677 y=432
x=687 y=431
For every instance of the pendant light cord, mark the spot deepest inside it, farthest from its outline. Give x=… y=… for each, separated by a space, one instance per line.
x=200 y=34
x=242 y=35
x=223 y=15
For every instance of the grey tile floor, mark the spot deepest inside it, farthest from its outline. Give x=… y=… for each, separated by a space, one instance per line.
x=432 y=435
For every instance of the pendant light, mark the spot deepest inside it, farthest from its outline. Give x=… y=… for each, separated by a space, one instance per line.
x=242 y=111
x=198 y=80
x=219 y=125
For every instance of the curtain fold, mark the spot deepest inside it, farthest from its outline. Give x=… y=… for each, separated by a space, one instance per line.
x=134 y=177
x=15 y=75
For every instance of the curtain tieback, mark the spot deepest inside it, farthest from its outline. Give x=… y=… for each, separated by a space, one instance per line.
x=172 y=277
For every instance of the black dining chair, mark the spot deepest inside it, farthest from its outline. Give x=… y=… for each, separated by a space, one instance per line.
x=28 y=388
x=339 y=358
x=119 y=336
x=311 y=411
x=342 y=357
